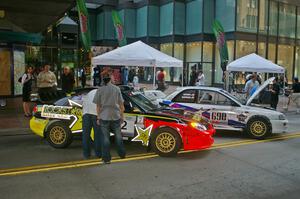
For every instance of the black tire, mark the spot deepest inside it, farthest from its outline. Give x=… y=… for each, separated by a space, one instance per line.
x=59 y=135
x=166 y=142
x=259 y=127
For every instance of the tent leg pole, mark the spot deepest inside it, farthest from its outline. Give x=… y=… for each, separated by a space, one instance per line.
x=154 y=76
x=182 y=76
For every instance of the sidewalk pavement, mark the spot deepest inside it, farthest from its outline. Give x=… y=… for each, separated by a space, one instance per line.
x=12 y=117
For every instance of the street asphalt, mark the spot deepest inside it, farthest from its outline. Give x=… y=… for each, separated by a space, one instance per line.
x=236 y=167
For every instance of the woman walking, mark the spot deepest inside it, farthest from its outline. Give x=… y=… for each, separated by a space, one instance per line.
x=27 y=82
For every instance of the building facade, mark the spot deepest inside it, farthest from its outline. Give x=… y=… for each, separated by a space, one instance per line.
x=183 y=29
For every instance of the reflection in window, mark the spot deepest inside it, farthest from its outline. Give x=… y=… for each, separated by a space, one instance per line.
x=263 y=16
x=285 y=54
x=247 y=13
x=262 y=49
x=297 y=68
x=193 y=52
x=206 y=97
x=167 y=48
x=245 y=48
x=287 y=20
x=273 y=18
x=272 y=52
x=178 y=53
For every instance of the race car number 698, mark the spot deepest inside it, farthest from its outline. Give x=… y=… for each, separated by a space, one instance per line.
x=218 y=116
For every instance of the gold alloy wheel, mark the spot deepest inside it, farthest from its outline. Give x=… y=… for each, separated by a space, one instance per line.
x=58 y=135
x=165 y=142
x=258 y=128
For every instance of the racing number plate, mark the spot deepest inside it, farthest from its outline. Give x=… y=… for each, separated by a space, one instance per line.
x=218 y=116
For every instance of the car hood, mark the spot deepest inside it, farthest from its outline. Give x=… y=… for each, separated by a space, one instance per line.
x=261 y=110
x=259 y=89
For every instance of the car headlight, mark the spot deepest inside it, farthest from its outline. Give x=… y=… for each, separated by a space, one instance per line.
x=198 y=126
x=282 y=117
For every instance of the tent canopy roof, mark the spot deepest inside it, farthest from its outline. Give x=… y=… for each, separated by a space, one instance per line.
x=137 y=54
x=254 y=63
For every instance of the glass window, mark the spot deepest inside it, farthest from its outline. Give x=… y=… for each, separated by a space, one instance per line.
x=208 y=15
x=187 y=96
x=194 y=17
x=247 y=12
x=230 y=46
x=167 y=48
x=129 y=22
x=178 y=53
x=218 y=69
x=179 y=21
x=222 y=100
x=263 y=16
x=262 y=49
x=100 y=26
x=166 y=19
x=244 y=48
x=225 y=13
x=109 y=29
x=285 y=54
x=206 y=97
x=273 y=18
x=272 y=53
x=153 y=21
x=287 y=20
x=297 y=68
x=207 y=51
x=141 y=22
x=207 y=57
x=298 y=24
x=93 y=25
x=193 y=52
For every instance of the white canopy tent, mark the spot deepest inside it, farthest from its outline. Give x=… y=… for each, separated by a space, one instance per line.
x=137 y=54
x=254 y=63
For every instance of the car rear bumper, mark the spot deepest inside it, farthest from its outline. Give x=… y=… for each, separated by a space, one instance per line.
x=38 y=125
x=279 y=126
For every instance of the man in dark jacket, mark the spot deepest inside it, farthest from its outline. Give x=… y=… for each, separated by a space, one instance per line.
x=67 y=80
x=193 y=76
x=274 y=93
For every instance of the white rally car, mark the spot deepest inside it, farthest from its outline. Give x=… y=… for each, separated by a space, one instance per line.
x=227 y=112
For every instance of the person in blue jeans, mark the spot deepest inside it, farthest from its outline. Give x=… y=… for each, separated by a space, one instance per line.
x=110 y=110
x=89 y=121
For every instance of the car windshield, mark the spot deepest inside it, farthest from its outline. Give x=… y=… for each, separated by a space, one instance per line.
x=142 y=101
x=65 y=101
x=232 y=96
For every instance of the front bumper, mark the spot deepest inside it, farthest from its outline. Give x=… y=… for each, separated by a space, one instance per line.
x=279 y=126
x=38 y=126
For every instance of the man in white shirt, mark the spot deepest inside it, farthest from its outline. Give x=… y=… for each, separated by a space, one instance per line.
x=200 y=79
x=251 y=85
x=89 y=121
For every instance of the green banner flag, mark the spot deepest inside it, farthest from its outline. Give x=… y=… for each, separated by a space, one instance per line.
x=119 y=28
x=221 y=43
x=84 y=24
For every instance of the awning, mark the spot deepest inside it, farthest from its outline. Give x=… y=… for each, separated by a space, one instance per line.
x=35 y=15
x=20 y=37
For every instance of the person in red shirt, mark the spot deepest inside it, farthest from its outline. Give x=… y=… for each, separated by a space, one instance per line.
x=161 y=80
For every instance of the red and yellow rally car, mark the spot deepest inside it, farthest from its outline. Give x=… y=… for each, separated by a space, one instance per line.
x=164 y=130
